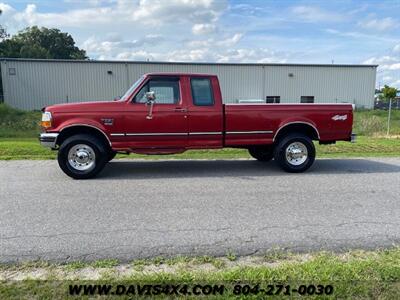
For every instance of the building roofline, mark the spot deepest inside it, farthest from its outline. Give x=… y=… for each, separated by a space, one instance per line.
x=184 y=63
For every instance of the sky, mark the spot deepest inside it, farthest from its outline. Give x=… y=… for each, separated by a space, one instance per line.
x=339 y=32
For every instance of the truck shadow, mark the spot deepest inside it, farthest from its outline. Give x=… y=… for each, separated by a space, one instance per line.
x=120 y=169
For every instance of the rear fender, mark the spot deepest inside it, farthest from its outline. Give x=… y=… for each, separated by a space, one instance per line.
x=299 y=121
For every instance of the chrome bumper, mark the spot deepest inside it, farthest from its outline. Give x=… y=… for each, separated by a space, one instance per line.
x=48 y=139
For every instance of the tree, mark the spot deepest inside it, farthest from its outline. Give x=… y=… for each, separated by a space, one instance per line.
x=35 y=42
x=3 y=32
x=389 y=92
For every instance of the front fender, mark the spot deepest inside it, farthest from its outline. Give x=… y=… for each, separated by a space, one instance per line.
x=78 y=122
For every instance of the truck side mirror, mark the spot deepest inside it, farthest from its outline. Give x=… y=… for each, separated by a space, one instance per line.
x=151 y=97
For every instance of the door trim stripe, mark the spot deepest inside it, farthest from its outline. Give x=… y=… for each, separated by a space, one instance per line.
x=251 y=132
x=156 y=133
x=206 y=133
x=192 y=133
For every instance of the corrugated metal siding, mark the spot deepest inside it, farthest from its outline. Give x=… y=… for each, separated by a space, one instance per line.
x=40 y=83
x=37 y=84
x=326 y=84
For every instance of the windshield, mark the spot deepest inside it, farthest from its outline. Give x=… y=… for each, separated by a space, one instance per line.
x=132 y=88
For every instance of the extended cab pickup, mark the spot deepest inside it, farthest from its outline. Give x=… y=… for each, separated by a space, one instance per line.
x=171 y=113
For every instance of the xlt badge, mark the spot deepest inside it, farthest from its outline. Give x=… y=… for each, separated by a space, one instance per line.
x=108 y=122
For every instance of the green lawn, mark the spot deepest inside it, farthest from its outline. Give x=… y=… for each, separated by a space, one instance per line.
x=29 y=148
x=353 y=275
x=19 y=130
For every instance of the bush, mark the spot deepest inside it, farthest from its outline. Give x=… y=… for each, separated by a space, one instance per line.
x=374 y=122
x=370 y=125
x=18 y=123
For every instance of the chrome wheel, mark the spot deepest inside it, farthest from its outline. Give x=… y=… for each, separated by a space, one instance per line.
x=82 y=157
x=296 y=153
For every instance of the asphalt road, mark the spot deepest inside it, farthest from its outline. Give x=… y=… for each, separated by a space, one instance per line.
x=139 y=209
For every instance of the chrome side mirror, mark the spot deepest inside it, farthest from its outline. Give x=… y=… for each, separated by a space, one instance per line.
x=151 y=98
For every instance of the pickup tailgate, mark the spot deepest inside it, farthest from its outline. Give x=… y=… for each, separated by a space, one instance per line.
x=254 y=124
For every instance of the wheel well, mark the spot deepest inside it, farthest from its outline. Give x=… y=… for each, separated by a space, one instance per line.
x=70 y=131
x=303 y=128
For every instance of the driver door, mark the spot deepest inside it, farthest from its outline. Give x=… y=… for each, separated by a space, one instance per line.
x=167 y=126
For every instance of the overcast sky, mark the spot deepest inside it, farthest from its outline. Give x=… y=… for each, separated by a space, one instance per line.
x=224 y=31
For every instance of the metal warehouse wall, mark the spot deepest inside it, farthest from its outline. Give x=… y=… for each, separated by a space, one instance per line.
x=32 y=84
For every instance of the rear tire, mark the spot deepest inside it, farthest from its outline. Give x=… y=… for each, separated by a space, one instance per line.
x=295 y=153
x=82 y=156
x=261 y=153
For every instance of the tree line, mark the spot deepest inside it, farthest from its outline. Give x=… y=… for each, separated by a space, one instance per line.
x=35 y=42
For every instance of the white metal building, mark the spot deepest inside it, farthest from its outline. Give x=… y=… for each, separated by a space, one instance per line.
x=34 y=83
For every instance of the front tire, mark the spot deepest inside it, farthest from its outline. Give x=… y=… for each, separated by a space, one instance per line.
x=111 y=155
x=295 y=153
x=82 y=156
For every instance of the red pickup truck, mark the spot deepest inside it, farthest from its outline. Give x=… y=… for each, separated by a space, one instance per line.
x=166 y=113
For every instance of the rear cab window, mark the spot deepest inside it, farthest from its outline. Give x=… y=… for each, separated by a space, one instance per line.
x=202 y=93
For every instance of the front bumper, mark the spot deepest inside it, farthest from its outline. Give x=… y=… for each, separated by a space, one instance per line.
x=48 y=139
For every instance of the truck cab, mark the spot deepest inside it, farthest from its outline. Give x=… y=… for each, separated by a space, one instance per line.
x=186 y=113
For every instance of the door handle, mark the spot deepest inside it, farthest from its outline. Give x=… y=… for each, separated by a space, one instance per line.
x=178 y=109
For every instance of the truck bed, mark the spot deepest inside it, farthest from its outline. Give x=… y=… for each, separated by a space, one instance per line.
x=259 y=123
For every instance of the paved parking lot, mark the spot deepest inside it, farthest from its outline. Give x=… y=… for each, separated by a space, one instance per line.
x=138 y=209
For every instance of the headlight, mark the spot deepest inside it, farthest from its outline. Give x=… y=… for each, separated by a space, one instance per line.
x=46 y=119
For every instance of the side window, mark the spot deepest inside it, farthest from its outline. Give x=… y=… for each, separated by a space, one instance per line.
x=202 y=92
x=141 y=95
x=166 y=91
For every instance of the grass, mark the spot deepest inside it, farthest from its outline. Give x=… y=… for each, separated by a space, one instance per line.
x=15 y=123
x=275 y=255
x=105 y=263
x=19 y=130
x=231 y=256
x=374 y=122
x=354 y=274
x=29 y=148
